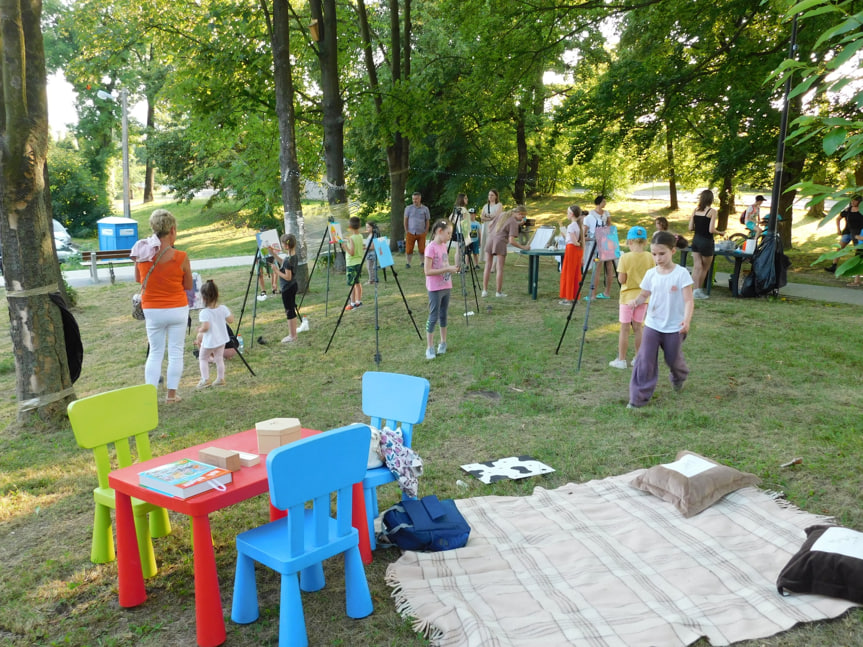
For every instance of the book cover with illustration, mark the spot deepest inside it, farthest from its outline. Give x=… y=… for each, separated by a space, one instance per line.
x=185 y=478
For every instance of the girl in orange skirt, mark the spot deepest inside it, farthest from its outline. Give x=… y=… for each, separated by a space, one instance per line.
x=570 y=273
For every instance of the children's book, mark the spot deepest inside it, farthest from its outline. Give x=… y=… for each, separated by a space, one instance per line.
x=185 y=478
x=266 y=239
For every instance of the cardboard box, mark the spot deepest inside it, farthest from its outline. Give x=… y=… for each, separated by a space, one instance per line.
x=226 y=458
x=276 y=432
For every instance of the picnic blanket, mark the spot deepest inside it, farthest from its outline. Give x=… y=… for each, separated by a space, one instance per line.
x=601 y=563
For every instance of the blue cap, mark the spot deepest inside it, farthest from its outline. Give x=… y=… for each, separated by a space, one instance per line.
x=637 y=233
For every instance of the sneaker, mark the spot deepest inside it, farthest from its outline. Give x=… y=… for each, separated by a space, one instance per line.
x=677 y=387
x=629 y=405
x=429 y=353
x=601 y=295
x=484 y=293
x=262 y=296
x=275 y=291
x=407 y=266
x=218 y=382
x=698 y=293
x=350 y=306
x=585 y=298
x=565 y=302
x=196 y=352
x=203 y=384
x=831 y=269
x=304 y=327
x=499 y=295
x=618 y=363
x=288 y=339
x=441 y=348
x=357 y=304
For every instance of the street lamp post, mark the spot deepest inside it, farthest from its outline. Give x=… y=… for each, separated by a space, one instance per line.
x=124 y=101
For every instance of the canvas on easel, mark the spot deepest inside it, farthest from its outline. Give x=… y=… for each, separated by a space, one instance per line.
x=335 y=230
x=542 y=237
x=382 y=251
x=266 y=239
x=607 y=243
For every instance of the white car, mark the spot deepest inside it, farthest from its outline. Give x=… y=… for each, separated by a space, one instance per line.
x=61 y=236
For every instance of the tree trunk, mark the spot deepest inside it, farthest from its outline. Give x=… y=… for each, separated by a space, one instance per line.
x=289 y=165
x=31 y=269
x=792 y=170
x=672 y=174
x=150 y=170
x=521 y=150
x=324 y=11
x=726 y=203
x=398 y=151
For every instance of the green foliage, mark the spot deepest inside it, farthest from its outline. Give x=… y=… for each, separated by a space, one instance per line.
x=77 y=198
x=828 y=73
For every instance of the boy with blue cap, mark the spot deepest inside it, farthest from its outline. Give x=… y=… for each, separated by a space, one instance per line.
x=631 y=268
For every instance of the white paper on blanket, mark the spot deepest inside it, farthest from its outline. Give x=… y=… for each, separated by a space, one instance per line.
x=503 y=469
x=842 y=541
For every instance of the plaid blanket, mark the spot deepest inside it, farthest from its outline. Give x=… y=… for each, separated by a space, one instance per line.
x=602 y=563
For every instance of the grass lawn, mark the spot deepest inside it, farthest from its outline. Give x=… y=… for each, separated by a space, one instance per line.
x=771 y=380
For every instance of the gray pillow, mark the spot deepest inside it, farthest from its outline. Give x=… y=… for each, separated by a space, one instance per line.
x=692 y=482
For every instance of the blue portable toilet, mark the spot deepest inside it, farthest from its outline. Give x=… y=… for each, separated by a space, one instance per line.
x=116 y=232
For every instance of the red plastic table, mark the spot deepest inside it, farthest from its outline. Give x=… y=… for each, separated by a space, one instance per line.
x=247 y=483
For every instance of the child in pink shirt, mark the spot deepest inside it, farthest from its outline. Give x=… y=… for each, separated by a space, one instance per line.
x=438 y=273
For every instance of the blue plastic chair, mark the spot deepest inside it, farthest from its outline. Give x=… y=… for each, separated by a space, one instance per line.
x=392 y=400
x=115 y=417
x=310 y=469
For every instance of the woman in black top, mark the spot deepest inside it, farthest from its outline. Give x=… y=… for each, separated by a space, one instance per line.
x=703 y=223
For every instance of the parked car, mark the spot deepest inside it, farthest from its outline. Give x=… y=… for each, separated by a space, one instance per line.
x=61 y=236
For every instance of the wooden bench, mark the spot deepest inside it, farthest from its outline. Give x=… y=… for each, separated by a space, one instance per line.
x=105 y=256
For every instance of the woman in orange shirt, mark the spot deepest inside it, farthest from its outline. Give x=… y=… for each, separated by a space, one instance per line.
x=168 y=275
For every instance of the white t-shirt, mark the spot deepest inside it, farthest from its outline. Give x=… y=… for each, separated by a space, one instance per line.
x=217 y=333
x=595 y=219
x=666 y=308
x=573 y=230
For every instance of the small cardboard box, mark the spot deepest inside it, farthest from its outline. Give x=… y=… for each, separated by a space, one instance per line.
x=225 y=458
x=276 y=432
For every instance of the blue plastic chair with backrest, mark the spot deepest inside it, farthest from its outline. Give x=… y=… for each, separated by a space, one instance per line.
x=311 y=469
x=115 y=418
x=392 y=400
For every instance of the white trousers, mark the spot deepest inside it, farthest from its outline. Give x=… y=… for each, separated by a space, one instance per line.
x=165 y=327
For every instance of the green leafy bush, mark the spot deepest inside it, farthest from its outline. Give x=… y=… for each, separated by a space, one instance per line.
x=76 y=197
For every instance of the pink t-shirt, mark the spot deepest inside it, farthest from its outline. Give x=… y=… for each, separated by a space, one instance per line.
x=437 y=252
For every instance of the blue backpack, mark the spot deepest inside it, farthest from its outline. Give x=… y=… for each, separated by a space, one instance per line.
x=426 y=524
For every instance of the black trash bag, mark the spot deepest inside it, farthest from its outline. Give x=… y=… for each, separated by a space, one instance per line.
x=769 y=268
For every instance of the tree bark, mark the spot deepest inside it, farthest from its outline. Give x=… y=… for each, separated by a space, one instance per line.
x=521 y=151
x=398 y=150
x=289 y=164
x=672 y=173
x=30 y=264
x=726 y=202
x=150 y=170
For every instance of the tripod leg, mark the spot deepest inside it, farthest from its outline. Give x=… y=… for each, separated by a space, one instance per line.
x=574 y=301
x=240 y=355
x=404 y=299
x=324 y=238
x=586 y=317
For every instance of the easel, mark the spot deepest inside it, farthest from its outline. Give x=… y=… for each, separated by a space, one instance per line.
x=595 y=261
x=331 y=257
x=377 y=327
x=461 y=260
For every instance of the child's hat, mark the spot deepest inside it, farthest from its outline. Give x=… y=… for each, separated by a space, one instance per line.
x=637 y=233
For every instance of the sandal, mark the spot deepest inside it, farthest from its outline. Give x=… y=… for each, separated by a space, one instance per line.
x=176 y=398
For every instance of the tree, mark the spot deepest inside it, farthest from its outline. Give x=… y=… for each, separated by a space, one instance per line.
x=30 y=266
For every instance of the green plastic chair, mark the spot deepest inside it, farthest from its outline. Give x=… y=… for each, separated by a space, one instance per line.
x=115 y=417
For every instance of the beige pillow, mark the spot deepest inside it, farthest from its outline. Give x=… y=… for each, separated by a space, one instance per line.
x=692 y=482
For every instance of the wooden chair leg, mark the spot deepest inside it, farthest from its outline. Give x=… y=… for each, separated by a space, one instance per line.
x=102 y=549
